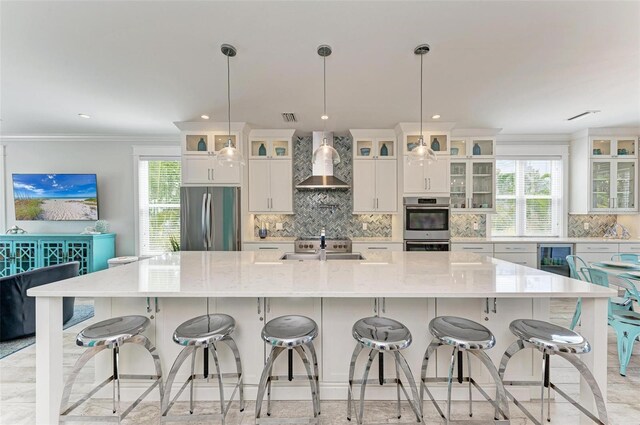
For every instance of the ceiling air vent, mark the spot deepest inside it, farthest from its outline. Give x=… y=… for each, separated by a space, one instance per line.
x=585 y=113
x=289 y=117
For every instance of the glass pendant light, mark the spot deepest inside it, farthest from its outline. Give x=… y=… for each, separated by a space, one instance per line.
x=325 y=152
x=422 y=152
x=229 y=155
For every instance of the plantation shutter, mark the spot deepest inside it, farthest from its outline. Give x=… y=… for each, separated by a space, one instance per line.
x=159 y=204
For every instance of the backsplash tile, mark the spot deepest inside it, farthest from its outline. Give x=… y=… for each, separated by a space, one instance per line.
x=312 y=208
x=598 y=225
x=461 y=225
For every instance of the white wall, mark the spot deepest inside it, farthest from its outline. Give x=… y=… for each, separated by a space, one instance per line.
x=111 y=160
x=3 y=208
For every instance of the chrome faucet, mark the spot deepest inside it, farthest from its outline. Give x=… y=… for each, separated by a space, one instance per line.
x=612 y=232
x=323 y=246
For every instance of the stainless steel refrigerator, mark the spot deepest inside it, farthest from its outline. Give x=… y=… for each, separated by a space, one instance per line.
x=210 y=219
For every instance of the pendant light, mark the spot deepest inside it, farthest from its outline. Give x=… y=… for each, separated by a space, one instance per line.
x=229 y=155
x=325 y=152
x=422 y=152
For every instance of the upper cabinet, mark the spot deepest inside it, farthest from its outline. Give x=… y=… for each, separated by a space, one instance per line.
x=437 y=141
x=200 y=143
x=473 y=176
x=375 y=172
x=608 y=165
x=270 y=162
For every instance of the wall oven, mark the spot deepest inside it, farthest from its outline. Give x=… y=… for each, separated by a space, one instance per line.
x=426 y=224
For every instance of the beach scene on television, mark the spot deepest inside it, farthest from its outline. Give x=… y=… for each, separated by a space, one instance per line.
x=55 y=197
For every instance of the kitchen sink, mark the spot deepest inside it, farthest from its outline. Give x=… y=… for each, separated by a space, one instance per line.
x=309 y=256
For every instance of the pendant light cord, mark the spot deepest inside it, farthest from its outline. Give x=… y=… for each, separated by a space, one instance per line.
x=421 y=73
x=229 y=98
x=324 y=90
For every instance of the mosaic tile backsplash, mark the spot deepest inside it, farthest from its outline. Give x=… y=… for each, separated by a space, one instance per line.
x=331 y=209
x=461 y=225
x=598 y=225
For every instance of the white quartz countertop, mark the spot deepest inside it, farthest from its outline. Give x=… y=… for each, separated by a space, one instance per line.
x=262 y=274
x=285 y=239
x=542 y=240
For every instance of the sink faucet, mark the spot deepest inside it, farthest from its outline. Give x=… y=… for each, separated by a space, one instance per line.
x=323 y=246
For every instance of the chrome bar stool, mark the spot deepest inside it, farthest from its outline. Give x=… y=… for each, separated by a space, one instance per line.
x=380 y=335
x=204 y=332
x=290 y=333
x=112 y=334
x=463 y=335
x=552 y=339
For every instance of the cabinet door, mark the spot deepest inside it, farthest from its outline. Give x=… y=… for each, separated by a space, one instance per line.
x=414 y=180
x=626 y=188
x=259 y=186
x=436 y=174
x=25 y=253
x=601 y=197
x=281 y=183
x=196 y=169
x=364 y=189
x=52 y=253
x=309 y=307
x=386 y=186
x=79 y=251
x=224 y=174
x=482 y=185
x=459 y=196
x=5 y=258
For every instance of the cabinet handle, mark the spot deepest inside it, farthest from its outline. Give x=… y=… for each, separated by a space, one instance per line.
x=377 y=203
x=268 y=307
x=148 y=305
x=425 y=183
x=486 y=305
x=157 y=306
x=377 y=247
x=267 y=247
x=495 y=305
x=259 y=306
x=213 y=174
x=375 y=306
x=384 y=305
x=374 y=203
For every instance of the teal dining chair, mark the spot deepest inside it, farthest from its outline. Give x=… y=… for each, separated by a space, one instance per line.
x=626 y=258
x=576 y=264
x=625 y=322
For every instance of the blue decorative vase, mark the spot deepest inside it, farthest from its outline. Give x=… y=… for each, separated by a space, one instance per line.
x=202 y=145
x=384 y=151
x=476 y=149
x=435 y=145
x=262 y=151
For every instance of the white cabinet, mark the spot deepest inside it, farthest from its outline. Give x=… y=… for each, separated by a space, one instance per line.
x=596 y=252
x=431 y=177
x=472 y=148
x=477 y=248
x=200 y=165
x=524 y=254
x=375 y=172
x=608 y=164
x=473 y=185
x=270 y=172
x=375 y=186
x=268 y=246
x=377 y=246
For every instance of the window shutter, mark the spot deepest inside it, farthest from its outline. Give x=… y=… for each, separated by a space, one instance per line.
x=159 y=204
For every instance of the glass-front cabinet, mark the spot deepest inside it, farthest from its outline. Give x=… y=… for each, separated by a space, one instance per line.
x=438 y=142
x=614 y=147
x=374 y=148
x=270 y=148
x=472 y=147
x=613 y=185
x=206 y=143
x=473 y=185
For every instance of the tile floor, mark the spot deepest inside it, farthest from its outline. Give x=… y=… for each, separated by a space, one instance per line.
x=17 y=392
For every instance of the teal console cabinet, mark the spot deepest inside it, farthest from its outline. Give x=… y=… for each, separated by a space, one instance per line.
x=20 y=253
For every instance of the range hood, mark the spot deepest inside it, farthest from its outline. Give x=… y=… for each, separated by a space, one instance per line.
x=322 y=177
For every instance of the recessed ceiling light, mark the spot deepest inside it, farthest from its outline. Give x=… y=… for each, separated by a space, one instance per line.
x=204 y=117
x=84 y=116
x=436 y=117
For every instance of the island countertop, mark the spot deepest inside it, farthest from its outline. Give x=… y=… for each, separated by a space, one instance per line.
x=263 y=274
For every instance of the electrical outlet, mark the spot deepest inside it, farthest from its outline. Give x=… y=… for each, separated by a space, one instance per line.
x=278 y=226
x=475 y=225
x=364 y=226
x=586 y=226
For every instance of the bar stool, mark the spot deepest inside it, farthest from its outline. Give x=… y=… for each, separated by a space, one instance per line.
x=552 y=339
x=204 y=332
x=380 y=334
x=463 y=335
x=112 y=334
x=291 y=333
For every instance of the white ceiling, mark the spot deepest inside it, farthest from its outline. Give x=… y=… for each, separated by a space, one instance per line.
x=136 y=67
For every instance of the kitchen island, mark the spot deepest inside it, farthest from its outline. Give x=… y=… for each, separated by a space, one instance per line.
x=254 y=287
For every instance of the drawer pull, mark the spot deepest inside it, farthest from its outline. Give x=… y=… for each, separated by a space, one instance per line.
x=377 y=247
x=267 y=247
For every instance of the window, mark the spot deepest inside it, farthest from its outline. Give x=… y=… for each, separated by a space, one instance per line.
x=528 y=198
x=158 y=204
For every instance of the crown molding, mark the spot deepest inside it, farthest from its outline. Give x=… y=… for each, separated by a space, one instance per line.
x=531 y=138
x=160 y=138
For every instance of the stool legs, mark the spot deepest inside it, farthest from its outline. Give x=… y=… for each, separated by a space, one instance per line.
x=470 y=394
x=236 y=353
x=352 y=368
x=265 y=379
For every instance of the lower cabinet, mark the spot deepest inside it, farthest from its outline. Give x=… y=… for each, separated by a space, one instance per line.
x=596 y=252
x=382 y=246
x=266 y=247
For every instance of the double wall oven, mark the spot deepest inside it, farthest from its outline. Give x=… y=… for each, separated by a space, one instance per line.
x=426 y=224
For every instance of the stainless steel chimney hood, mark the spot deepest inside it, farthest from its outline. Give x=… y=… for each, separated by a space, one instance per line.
x=322 y=177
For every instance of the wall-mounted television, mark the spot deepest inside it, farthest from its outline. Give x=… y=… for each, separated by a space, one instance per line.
x=55 y=197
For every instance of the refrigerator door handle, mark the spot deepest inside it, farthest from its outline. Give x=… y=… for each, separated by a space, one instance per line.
x=204 y=217
x=209 y=214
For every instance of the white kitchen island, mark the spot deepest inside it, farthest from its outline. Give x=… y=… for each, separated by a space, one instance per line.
x=254 y=287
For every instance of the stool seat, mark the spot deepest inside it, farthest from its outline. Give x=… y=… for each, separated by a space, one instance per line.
x=203 y=330
x=549 y=336
x=462 y=333
x=381 y=333
x=112 y=331
x=290 y=331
